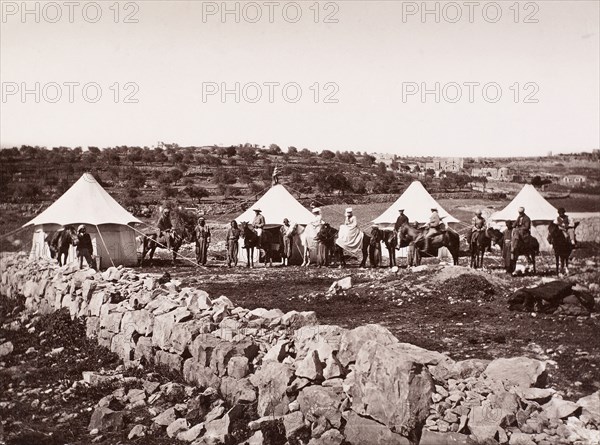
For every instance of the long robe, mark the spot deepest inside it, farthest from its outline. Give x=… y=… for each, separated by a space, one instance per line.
x=350 y=237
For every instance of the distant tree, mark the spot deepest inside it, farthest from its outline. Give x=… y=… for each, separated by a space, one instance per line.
x=327 y=154
x=394 y=165
x=274 y=149
x=169 y=192
x=134 y=154
x=367 y=160
x=292 y=151
x=306 y=153
x=381 y=167
x=430 y=172
x=196 y=193
x=94 y=150
x=537 y=181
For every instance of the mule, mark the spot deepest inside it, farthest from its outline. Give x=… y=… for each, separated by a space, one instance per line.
x=480 y=242
x=415 y=239
x=562 y=247
x=338 y=251
x=60 y=241
x=529 y=248
x=151 y=241
x=389 y=238
x=252 y=241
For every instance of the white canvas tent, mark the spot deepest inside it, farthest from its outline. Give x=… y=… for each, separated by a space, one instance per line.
x=108 y=224
x=417 y=204
x=275 y=205
x=540 y=211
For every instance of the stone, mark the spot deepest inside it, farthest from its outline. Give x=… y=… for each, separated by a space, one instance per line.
x=236 y=391
x=137 y=431
x=296 y=320
x=105 y=419
x=171 y=361
x=325 y=339
x=318 y=402
x=163 y=327
x=111 y=274
x=522 y=372
x=310 y=367
x=199 y=302
x=559 y=409
x=256 y=439
x=521 y=439
x=436 y=438
x=143 y=349
x=166 y=418
x=218 y=429
x=364 y=431
x=591 y=406
x=200 y=375
x=272 y=380
x=351 y=341
x=176 y=427
x=329 y=437
x=192 y=434
x=223 y=301
x=266 y=314
x=293 y=424
x=111 y=321
x=97 y=299
x=141 y=321
x=388 y=386
x=238 y=367
x=539 y=395
x=278 y=352
x=6 y=348
x=341 y=284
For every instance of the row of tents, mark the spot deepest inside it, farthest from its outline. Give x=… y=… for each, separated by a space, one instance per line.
x=115 y=231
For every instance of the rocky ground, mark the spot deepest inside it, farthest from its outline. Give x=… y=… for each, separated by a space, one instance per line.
x=59 y=387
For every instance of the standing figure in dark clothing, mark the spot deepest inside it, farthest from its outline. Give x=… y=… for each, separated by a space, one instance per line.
x=202 y=237
x=506 y=247
x=287 y=234
x=233 y=237
x=165 y=226
x=523 y=228
x=85 y=249
x=402 y=219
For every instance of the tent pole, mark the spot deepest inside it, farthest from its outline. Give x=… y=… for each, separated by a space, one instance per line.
x=105 y=248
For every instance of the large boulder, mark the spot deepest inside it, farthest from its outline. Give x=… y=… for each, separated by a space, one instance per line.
x=390 y=387
x=522 y=372
x=318 y=402
x=591 y=406
x=351 y=341
x=105 y=419
x=272 y=380
x=325 y=339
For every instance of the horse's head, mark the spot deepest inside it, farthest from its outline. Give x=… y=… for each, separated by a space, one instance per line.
x=375 y=235
x=496 y=236
x=70 y=232
x=245 y=229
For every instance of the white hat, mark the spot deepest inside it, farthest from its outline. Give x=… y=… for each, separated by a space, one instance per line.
x=349 y=210
x=316 y=210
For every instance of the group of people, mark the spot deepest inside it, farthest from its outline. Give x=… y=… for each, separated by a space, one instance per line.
x=349 y=236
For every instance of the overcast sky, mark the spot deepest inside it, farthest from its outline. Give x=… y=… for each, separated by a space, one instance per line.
x=366 y=73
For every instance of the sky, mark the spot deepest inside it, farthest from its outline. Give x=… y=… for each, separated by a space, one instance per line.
x=376 y=76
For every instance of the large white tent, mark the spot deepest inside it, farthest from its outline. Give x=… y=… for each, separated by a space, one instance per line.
x=536 y=206
x=275 y=205
x=417 y=204
x=108 y=224
x=540 y=211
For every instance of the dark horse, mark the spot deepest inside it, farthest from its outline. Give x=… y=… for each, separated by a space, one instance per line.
x=151 y=241
x=529 y=248
x=329 y=236
x=60 y=241
x=251 y=241
x=415 y=238
x=562 y=247
x=387 y=237
x=482 y=241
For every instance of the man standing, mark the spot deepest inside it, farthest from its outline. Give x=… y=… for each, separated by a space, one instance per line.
x=402 y=219
x=434 y=226
x=562 y=221
x=85 y=249
x=233 y=236
x=202 y=237
x=506 y=246
x=165 y=226
x=259 y=223
x=523 y=228
x=287 y=233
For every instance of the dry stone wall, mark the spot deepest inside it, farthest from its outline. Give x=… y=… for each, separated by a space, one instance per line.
x=320 y=384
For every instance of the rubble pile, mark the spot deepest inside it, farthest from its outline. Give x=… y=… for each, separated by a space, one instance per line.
x=266 y=377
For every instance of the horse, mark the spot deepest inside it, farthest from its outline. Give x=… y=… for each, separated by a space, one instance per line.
x=60 y=241
x=415 y=238
x=252 y=241
x=151 y=241
x=339 y=251
x=529 y=248
x=326 y=246
x=387 y=237
x=562 y=247
x=482 y=241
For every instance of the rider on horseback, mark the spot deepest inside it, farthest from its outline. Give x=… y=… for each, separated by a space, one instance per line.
x=562 y=221
x=479 y=224
x=165 y=226
x=435 y=227
x=523 y=229
x=402 y=219
x=259 y=223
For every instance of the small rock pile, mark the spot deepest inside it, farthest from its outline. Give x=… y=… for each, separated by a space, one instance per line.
x=266 y=377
